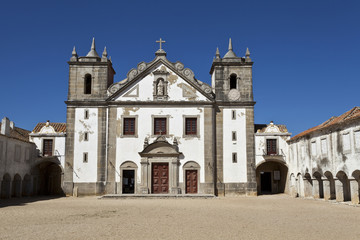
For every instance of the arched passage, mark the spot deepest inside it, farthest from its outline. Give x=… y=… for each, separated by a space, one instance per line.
x=271 y=177
x=16 y=186
x=48 y=176
x=355 y=187
x=26 y=186
x=329 y=186
x=318 y=187
x=342 y=187
x=6 y=186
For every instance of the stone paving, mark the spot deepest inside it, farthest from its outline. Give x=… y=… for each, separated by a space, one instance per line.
x=263 y=217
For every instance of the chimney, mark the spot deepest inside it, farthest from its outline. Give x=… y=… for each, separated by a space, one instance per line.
x=12 y=125
x=5 y=126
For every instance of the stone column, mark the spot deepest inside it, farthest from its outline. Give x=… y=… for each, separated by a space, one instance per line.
x=327 y=190
x=307 y=188
x=174 y=181
x=144 y=185
x=354 y=190
x=315 y=188
x=339 y=189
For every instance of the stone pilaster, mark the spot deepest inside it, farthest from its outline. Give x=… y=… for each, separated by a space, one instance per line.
x=250 y=152
x=327 y=190
x=219 y=152
x=111 y=148
x=144 y=186
x=339 y=190
x=354 y=190
x=68 y=183
x=101 y=151
x=209 y=146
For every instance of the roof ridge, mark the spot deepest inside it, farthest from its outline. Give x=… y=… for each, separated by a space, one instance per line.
x=352 y=111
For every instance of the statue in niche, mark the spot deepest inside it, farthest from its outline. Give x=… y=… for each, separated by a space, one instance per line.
x=160 y=87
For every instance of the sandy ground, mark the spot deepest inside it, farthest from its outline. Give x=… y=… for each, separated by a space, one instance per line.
x=264 y=217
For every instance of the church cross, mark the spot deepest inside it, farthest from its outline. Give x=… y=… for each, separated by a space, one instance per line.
x=160 y=41
x=160 y=129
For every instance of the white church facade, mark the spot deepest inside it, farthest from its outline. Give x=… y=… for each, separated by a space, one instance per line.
x=160 y=130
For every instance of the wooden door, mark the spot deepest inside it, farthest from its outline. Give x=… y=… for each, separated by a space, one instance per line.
x=160 y=178
x=191 y=181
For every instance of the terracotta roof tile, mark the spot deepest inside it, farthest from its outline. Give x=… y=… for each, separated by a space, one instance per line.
x=59 y=127
x=352 y=114
x=19 y=134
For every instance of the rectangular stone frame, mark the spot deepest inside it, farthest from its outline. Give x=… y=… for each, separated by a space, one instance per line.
x=53 y=144
x=197 y=126
x=122 y=126
x=355 y=148
x=167 y=125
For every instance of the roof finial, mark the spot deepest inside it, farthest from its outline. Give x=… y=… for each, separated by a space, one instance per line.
x=104 y=54
x=93 y=52
x=230 y=53
x=230 y=44
x=74 y=55
x=247 y=55
x=217 y=54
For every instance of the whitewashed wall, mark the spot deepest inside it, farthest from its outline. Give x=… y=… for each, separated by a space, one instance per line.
x=234 y=172
x=85 y=172
x=128 y=148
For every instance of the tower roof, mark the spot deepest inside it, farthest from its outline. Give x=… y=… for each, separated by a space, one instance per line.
x=230 y=53
x=93 y=52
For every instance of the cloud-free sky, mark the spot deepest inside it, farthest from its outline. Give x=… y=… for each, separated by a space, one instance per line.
x=305 y=53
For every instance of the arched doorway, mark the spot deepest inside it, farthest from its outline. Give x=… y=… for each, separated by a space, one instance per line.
x=355 y=187
x=6 y=186
x=329 y=186
x=318 y=187
x=128 y=172
x=191 y=171
x=342 y=187
x=16 y=186
x=271 y=177
x=48 y=176
x=26 y=186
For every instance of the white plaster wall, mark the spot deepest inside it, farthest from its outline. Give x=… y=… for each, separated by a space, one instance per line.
x=260 y=146
x=175 y=91
x=334 y=160
x=128 y=148
x=85 y=172
x=234 y=172
x=59 y=145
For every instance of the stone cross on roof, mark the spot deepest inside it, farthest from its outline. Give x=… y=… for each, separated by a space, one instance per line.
x=160 y=41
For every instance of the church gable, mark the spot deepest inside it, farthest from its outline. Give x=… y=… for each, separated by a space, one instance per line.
x=160 y=81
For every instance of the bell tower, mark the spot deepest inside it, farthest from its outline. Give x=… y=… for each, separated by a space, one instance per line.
x=231 y=80
x=89 y=76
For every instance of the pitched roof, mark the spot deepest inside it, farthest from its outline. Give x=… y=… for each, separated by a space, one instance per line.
x=58 y=127
x=350 y=115
x=19 y=134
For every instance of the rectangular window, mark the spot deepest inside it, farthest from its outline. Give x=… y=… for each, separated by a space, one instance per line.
x=129 y=126
x=234 y=157
x=323 y=146
x=357 y=139
x=47 y=147
x=86 y=136
x=85 y=157
x=346 y=142
x=271 y=146
x=233 y=136
x=86 y=114
x=302 y=152
x=190 y=126
x=160 y=126
x=233 y=114
x=313 y=148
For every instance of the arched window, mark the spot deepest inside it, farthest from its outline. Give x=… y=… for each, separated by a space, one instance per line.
x=233 y=81
x=87 y=85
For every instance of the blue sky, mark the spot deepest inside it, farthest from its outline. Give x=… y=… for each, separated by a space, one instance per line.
x=305 y=53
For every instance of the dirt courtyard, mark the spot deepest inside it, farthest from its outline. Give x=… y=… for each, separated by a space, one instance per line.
x=264 y=217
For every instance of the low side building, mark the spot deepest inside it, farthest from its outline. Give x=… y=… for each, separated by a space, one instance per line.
x=325 y=160
x=48 y=169
x=271 y=158
x=17 y=155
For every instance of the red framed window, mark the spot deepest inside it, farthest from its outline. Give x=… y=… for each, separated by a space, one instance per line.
x=190 y=126
x=271 y=146
x=48 y=147
x=129 y=126
x=160 y=126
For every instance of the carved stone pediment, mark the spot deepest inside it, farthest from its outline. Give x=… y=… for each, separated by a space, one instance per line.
x=160 y=147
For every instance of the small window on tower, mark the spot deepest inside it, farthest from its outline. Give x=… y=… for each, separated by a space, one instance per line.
x=234 y=157
x=86 y=136
x=87 y=87
x=85 y=157
x=233 y=114
x=234 y=136
x=233 y=81
x=86 y=114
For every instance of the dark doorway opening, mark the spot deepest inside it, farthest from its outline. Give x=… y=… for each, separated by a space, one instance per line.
x=47 y=179
x=265 y=179
x=128 y=181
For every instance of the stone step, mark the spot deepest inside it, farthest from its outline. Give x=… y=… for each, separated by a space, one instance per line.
x=152 y=196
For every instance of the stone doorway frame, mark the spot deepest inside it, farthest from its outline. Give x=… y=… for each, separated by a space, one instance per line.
x=191 y=165
x=160 y=151
x=128 y=165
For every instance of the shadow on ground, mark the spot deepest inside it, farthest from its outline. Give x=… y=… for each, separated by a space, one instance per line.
x=25 y=200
